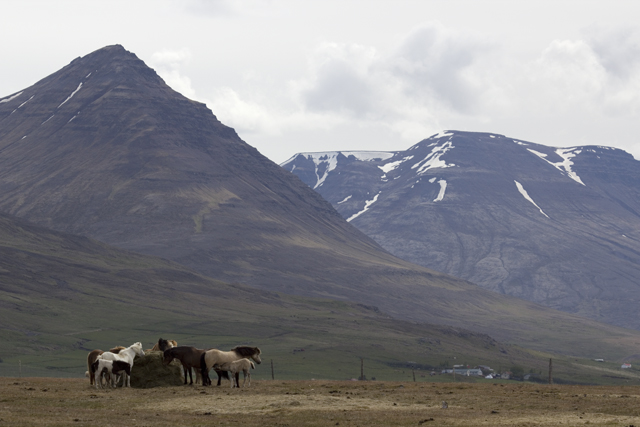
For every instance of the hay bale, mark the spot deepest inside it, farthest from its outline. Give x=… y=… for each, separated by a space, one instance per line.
x=148 y=371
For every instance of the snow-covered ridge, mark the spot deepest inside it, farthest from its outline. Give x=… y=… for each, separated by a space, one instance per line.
x=565 y=165
x=329 y=159
x=441 y=134
x=10 y=98
x=365 y=156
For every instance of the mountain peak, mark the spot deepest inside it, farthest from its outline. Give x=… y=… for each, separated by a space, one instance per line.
x=554 y=225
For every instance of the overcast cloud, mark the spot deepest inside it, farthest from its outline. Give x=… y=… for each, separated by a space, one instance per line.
x=294 y=76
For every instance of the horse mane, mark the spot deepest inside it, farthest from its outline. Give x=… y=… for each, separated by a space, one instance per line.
x=246 y=351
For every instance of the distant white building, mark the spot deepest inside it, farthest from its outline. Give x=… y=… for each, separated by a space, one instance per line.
x=626 y=365
x=465 y=371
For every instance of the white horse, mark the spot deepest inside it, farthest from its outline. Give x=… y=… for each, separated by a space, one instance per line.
x=127 y=355
x=111 y=368
x=235 y=367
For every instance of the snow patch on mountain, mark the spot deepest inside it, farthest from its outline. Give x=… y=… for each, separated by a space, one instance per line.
x=394 y=165
x=344 y=200
x=443 y=188
x=441 y=134
x=565 y=165
x=526 y=196
x=434 y=159
x=71 y=96
x=368 y=156
x=367 y=205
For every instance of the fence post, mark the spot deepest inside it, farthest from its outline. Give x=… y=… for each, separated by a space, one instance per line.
x=272 y=376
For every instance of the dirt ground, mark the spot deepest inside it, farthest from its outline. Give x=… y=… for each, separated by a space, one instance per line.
x=73 y=402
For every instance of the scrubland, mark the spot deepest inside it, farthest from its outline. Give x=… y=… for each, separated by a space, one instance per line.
x=64 y=402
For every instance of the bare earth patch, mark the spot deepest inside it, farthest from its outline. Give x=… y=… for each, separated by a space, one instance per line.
x=63 y=402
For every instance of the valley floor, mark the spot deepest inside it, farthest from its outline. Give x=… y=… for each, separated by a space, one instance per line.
x=64 y=402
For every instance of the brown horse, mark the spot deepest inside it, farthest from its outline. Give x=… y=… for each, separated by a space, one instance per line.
x=93 y=355
x=217 y=357
x=187 y=355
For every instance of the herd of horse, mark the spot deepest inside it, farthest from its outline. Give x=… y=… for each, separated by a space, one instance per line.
x=117 y=363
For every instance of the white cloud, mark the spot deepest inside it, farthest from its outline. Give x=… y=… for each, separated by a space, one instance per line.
x=566 y=75
x=341 y=80
x=433 y=78
x=211 y=8
x=439 y=65
x=167 y=64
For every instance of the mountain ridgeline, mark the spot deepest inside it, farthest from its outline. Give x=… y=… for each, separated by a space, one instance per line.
x=557 y=226
x=103 y=148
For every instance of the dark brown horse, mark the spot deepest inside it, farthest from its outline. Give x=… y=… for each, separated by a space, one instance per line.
x=187 y=355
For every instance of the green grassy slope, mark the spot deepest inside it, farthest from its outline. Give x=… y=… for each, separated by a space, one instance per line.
x=63 y=295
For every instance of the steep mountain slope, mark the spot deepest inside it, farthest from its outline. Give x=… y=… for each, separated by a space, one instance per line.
x=558 y=226
x=103 y=148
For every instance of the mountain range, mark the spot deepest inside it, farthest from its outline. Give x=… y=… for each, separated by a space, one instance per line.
x=556 y=226
x=104 y=150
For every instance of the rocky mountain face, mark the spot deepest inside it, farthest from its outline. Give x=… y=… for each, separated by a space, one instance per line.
x=557 y=226
x=104 y=148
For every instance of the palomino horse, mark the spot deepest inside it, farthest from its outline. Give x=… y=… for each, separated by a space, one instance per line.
x=93 y=355
x=188 y=356
x=217 y=357
x=126 y=355
x=242 y=365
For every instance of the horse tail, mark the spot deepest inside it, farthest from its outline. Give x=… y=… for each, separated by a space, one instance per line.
x=204 y=372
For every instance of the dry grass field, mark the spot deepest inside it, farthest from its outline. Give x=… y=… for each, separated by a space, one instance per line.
x=72 y=402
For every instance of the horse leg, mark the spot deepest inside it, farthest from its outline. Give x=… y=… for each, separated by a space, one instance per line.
x=204 y=373
x=184 y=369
x=190 y=376
x=246 y=374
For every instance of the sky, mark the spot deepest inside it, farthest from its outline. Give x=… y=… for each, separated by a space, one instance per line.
x=298 y=76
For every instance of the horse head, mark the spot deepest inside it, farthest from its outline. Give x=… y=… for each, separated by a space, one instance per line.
x=165 y=344
x=137 y=348
x=248 y=352
x=167 y=356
